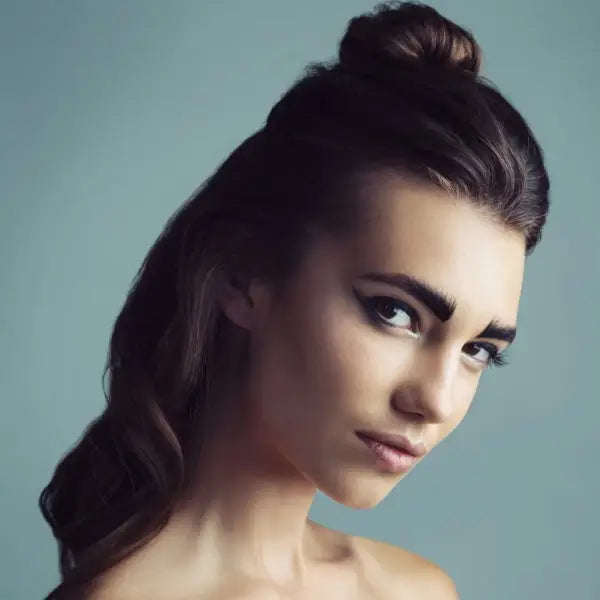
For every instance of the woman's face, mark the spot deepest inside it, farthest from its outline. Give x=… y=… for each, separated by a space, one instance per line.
x=341 y=351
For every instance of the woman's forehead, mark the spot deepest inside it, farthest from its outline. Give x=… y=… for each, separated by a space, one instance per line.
x=421 y=231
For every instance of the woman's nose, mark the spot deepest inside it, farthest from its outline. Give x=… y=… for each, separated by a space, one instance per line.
x=426 y=389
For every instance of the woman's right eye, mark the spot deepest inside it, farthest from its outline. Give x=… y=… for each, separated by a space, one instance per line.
x=390 y=312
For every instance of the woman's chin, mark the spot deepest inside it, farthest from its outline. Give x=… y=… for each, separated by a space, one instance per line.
x=360 y=490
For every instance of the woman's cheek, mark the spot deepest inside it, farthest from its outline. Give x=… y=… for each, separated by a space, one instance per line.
x=350 y=369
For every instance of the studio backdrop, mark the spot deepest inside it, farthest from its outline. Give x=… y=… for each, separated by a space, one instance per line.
x=113 y=112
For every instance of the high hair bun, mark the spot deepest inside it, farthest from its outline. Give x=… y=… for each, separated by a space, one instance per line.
x=407 y=34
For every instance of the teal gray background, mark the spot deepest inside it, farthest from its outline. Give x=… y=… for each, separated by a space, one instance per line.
x=112 y=112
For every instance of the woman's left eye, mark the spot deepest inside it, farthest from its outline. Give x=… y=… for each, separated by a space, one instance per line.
x=490 y=355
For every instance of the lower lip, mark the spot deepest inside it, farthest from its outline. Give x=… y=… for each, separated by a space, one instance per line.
x=389 y=458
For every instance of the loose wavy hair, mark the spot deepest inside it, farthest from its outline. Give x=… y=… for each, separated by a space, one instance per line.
x=405 y=93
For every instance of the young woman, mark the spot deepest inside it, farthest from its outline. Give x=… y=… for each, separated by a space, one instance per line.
x=316 y=316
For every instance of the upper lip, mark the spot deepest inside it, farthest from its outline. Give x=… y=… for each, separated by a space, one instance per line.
x=397 y=441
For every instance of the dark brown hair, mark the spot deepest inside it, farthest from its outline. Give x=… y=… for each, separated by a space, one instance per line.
x=406 y=95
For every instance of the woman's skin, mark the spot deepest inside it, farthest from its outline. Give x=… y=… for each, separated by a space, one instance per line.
x=320 y=370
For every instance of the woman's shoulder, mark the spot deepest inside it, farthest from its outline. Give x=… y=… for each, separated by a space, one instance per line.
x=401 y=573
x=393 y=572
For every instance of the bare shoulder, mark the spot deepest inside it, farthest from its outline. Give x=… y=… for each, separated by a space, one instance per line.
x=402 y=574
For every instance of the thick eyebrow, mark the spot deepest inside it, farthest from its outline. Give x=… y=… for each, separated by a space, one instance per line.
x=442 y=305
x=498 y=331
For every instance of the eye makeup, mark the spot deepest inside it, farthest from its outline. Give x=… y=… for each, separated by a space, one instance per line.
x=496 y=358
x=441 y=304
x=381 y=309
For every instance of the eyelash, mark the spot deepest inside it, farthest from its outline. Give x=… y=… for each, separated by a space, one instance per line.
x=497 y=358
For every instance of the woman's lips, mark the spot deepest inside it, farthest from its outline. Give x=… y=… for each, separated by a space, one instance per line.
x=390 y=458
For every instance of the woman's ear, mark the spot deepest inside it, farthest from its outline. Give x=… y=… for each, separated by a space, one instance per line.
x=244 y=300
